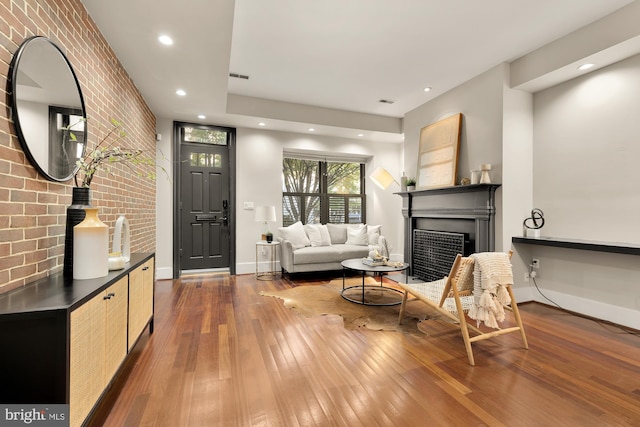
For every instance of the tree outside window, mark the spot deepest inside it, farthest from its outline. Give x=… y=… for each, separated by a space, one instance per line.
x=322 y=192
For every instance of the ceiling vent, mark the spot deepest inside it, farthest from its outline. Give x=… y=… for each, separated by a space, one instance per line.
x=239 y=76
x=386 y=101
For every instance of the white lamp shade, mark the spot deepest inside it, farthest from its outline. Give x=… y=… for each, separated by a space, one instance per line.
x=265 y=214
x=381 y=177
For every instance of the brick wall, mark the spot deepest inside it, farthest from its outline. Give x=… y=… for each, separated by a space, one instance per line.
x=33 y=209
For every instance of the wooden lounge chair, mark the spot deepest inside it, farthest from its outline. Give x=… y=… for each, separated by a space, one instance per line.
x=462 y=293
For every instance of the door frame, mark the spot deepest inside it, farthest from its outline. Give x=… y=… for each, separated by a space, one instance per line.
x=177 y=212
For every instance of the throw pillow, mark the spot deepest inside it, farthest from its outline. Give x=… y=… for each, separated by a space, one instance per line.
x=319 y=235
x=338 y=233
x=296 y=235
x=357 y=236
x=373 y=231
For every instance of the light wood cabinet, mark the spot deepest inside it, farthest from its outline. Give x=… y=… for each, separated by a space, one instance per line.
x=66 y=339
x=140 y=300
x=98 y=345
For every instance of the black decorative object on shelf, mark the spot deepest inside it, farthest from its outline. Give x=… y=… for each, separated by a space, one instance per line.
x=535 y=221
x=531 y=226
x=81 y=199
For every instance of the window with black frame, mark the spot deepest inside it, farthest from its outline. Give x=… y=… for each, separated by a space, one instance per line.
x=320 y=192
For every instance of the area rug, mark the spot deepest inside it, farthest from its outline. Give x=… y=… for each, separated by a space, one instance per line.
x=325 y=299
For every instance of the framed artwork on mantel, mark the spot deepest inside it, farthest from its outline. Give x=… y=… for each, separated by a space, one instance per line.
x=438 y=153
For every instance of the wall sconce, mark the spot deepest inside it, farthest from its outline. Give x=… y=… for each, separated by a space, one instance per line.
x=382 y=178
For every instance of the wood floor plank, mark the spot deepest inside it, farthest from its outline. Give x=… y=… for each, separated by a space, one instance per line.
x=222 y=354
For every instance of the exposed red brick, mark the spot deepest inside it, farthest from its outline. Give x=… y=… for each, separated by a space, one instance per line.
x=23 y=272
x=23 y=221
x=26 y=196
x=9 y=262
x=21 y=196
x=24 y=246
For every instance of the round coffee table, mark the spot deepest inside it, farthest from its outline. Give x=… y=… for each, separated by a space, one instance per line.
x=356 y=264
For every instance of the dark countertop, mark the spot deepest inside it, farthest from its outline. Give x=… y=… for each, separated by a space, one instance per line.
x=57 y=293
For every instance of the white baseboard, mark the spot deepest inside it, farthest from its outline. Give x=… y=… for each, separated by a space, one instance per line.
x=599 y=310
x=250 y=267
x=163 y=273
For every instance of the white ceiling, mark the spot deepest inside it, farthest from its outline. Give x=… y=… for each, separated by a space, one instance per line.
x=326 y=63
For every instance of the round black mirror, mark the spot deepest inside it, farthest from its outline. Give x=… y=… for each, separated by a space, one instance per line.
x=48 y=108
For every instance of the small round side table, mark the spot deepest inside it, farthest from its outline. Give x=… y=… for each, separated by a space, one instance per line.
x=272 y=258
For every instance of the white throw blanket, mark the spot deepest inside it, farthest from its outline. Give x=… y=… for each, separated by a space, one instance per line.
x=491 y=274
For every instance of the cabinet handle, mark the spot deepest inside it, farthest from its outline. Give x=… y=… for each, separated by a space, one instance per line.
x=109 y=296
x=145 y=268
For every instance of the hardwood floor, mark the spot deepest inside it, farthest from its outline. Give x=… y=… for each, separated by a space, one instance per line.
x=223 y=355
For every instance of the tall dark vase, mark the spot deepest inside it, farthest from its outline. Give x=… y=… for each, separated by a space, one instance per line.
x=75 y=215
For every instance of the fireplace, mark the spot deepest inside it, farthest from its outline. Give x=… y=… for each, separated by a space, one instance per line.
x=440 y=223
x=434 y=253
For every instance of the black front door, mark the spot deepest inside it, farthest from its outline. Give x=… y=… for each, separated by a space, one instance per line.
x=204 y=205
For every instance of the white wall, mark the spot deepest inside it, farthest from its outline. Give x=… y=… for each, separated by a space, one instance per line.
x=34 y=120
x=497 y=128
x=164 y=201
x=586 y=155
x=585 y=180
x=517 y=179
x=259 y=180
x=480 y=102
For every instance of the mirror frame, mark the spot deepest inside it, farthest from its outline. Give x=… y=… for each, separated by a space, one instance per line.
x=44 y=169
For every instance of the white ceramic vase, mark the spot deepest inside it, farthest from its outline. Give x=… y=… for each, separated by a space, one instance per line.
x=90 y=247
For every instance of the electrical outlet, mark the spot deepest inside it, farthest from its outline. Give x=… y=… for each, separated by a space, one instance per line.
x=535 y=263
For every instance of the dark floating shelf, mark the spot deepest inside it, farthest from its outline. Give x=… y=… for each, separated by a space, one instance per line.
x=587 y=245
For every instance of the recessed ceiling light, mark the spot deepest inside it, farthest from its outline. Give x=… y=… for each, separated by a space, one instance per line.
x=361 y=134
x=166 y=40
x=427 y=89
x=202 y=116
x=312 y=130
x=181 y=92
x=262 y=124
x=585 y=66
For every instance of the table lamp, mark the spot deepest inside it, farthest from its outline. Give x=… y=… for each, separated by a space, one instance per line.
x=265 y=214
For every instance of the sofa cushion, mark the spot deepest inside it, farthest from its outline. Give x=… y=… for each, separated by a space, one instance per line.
x=318 y=235
x=324 y=254
x=373 y=232
x=353 y=251
x=295 y=234
x=338 y=233
x=357 y=235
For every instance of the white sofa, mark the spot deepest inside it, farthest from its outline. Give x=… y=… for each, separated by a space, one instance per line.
x=315 y=247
